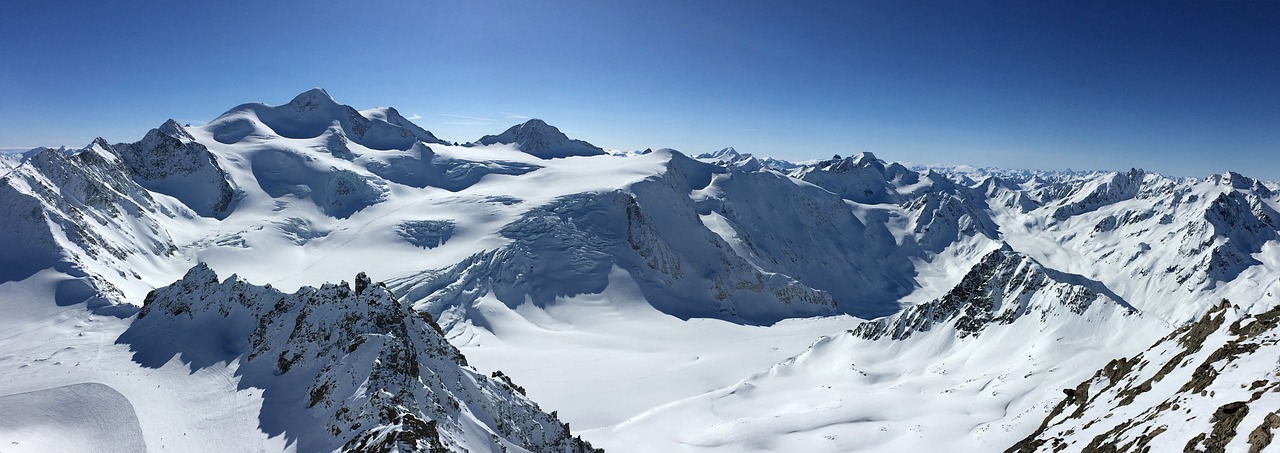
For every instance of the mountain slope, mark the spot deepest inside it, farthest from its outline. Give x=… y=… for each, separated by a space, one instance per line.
x=956 y=302
x=1208 y=386
x=314 y=112
x=963 y=370
x=341 y=368
x=169 y=161
x=1004 y=286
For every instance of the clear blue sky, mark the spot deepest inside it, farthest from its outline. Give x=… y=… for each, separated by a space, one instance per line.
x=1183 y=88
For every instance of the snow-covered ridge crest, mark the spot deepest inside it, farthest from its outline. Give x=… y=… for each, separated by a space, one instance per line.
x=503 y=246
x=312 y=113
x=1001 y=288
x=75 y=211
x=730 y=157
x=341 y=368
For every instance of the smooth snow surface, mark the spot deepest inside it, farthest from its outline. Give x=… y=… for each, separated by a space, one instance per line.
x=654 y=301
x=87 y=417
x=46 y=346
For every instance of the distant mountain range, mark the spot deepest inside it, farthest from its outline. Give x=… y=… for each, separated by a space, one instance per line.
x=658 y=301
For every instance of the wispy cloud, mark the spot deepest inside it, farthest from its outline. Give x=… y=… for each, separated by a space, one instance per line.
x=414 y=116
x=464 y=117
x=515 y=116
x=463 y=120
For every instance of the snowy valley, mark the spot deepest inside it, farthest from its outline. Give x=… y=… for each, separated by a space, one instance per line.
x=532 y=292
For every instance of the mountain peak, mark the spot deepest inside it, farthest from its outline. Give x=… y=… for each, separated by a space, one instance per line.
x=175 y=130
x=726 y=154
x=101 y=149
x=864 y=159
x=312 y=113
x=540 y=139
x=312 y=99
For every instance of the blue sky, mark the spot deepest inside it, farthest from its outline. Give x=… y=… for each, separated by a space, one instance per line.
x=1183 y=88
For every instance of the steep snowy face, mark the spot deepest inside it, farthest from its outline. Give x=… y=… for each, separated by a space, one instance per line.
x=944 y=213
x=812 y=235
x=393 y=117
x=731 y=158
x=169 y=161
x=941 y=211
x=1002 y=288
x=1245 y=223
x=311 y=114
x=540 y=139
x=860 y=178
x=723 y=156
x=81 y=212
x=1164 y=243
x=569 y=247
x=1007 y=194
x=341 y=368
x=1208 y=386
x=752 y=247
x=1101 y=192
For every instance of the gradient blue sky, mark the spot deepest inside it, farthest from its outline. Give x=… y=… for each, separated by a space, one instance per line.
x=1183 y=88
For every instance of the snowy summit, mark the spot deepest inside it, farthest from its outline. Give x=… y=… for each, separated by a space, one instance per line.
x=540 y=139
x=189 y=291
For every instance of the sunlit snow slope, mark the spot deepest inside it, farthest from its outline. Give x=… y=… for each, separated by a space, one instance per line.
x=652 y=300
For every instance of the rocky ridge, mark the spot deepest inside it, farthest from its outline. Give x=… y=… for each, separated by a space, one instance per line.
x=342 y=368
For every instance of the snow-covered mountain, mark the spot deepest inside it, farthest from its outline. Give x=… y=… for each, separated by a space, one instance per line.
x=374 y=374
x=1210 y=385
x=652 y=300
x=540 y=139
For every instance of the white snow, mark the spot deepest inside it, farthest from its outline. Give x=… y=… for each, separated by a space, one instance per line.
x=88 y=417
x=656 y=302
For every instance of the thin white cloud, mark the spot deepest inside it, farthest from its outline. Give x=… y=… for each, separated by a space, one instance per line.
x=414 y=116
x=516 y=116
x=464 y=117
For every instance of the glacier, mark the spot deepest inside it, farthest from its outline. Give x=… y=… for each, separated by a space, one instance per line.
x=650 y=301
